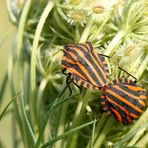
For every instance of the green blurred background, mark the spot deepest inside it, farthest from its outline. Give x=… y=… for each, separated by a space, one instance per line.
x=7 y=34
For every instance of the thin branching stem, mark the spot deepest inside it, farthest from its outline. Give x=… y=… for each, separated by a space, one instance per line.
x=50 y=143
x=37 y=35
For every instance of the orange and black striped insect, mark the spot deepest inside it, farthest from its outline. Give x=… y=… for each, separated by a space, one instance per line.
x=87 y=67
x=123 y=99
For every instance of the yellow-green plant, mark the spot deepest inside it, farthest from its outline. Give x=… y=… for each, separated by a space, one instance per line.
x=45 y=114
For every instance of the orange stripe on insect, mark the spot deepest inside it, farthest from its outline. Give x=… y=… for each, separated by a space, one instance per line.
x=117 y=114
x=131 y=87
x=72 y=55
x=124 y=100
x=90 y=65
x=122 y=108
x=86 y=73
x=72 y=70
x=134 y=116
x=142 y=97
x=100 y=62
x=68 y=60
x=130 y=95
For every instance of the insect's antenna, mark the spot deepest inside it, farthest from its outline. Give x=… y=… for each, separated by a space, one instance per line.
x=127 y=73
x=106 y=55
x=57 y=52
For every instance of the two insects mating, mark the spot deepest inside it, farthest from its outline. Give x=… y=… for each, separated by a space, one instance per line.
x=85 y=67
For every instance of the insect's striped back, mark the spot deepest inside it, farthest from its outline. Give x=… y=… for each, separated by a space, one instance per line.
x=124 y=100
x=88 y=68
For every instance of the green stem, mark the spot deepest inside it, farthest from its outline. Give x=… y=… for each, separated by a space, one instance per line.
x=21 y=27
x=128 y=136
x=11 y=64
x=7 y=106
x=136 y=137
x=86 y=32
x=61 y=25
x=47 y=117
x=19 y=83
x=92 y=137
x=61 y=124
x=3 y=87
x=115 y=42
x=143 y=141
x=26 y=124
x=77 y=34
x=39 y=100
x=135 y=63
x=37 y=35
x=98 y=129
x=103 y=24
x=79 y=113
x=107 y=127
x=50 y=143
x=142 y=68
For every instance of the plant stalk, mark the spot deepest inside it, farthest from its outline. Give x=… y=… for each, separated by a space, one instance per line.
x=98 y=129
x=86 y=32
x=107 y=127
x=115 y=42
x=37 y=35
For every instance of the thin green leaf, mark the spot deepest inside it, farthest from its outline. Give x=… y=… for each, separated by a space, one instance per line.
x=47 y=116
x=37 y=35
x=26 y=124
x=93 y=133
x=3 y=112
x=3 y=87
x=128 y=136
x=66 y=134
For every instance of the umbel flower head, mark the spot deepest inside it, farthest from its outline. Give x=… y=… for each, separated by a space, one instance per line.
x=129 y=56
x=129 y=52
x=132 y=20
x=77 y=16
x=100 y=9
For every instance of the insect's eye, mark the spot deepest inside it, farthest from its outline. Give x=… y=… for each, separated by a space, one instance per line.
x=114 y=81
x=135 y=81
x=120 y=79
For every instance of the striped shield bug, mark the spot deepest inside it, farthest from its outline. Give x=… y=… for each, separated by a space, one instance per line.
x=123 y=99
x=87 y=67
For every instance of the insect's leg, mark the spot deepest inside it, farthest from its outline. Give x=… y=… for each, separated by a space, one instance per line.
x=128 y=73
x=78 y=87
x=63 y=71
x=68 y=81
